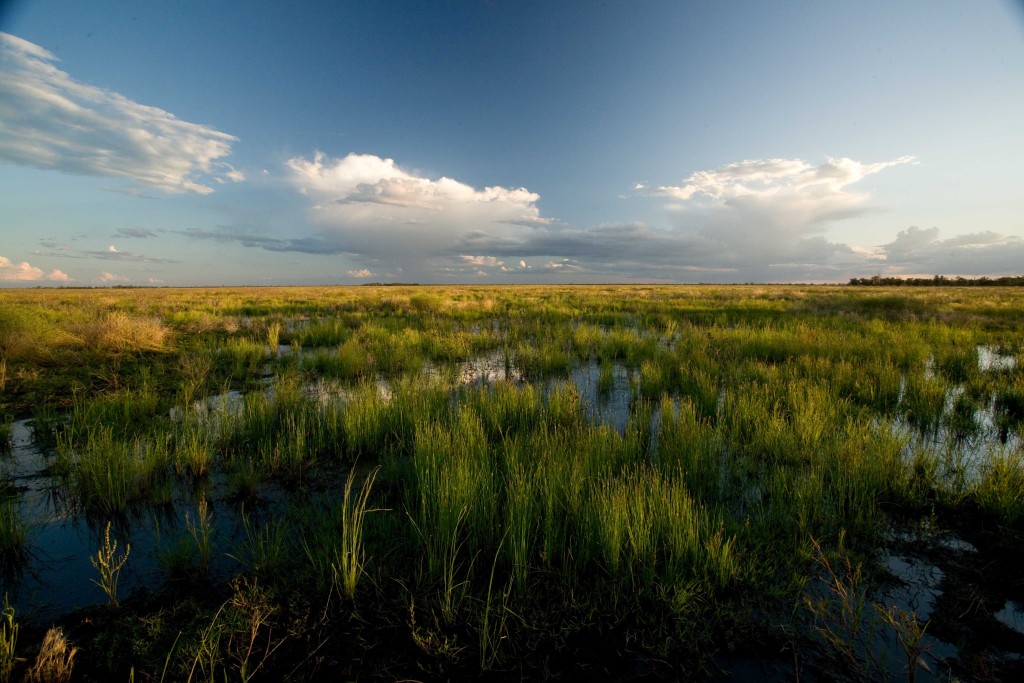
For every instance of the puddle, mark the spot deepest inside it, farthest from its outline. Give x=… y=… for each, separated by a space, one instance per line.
x=488 y=368
x=604 y=405
x=57 y=576
x=1012 y=615
x=919 y=587
x=61 y=547
x=992 y=359
x=965 y=437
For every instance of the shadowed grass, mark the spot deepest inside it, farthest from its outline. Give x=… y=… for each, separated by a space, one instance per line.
x=106 y=474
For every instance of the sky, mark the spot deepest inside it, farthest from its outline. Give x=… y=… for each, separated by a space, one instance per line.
x=271 y=143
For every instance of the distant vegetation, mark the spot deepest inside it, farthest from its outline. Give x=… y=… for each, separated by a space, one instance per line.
x=938 y=281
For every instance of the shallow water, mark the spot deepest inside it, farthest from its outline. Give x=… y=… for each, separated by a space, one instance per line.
x=59 y=575
x=992 y=359
x=1012 y=616
x=955 y=592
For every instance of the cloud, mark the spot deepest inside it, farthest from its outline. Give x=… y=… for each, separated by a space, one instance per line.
x=249 y=238
x=110 y=278
x=49 y=120
x=111 y=253
x=25 y=272
x=491 y=261
x=760 y=220
x=758 y=209
x=18 y=272
x=766 y=218
x=370 y=207
x=751 y=220
x=917 y=251
x=564 y=264
x=362 y=273
x=796 y=179
x=135 y=232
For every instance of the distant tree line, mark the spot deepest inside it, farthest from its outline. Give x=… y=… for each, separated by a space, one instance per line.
x=939 y=281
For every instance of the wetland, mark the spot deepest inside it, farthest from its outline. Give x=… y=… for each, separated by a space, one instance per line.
x=430 y=483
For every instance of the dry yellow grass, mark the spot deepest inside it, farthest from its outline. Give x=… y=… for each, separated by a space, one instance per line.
x=119 y=331
x=56 y=660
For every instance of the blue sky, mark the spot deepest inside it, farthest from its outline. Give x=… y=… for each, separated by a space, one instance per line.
x=250 y=143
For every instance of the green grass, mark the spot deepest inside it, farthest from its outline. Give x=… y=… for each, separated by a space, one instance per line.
x=9 y=628
x=767 y=428
x=13 y=531
x=105 y=475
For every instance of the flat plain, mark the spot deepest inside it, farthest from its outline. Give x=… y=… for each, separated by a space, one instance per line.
x=428 y=483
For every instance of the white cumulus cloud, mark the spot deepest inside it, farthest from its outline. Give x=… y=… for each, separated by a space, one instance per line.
x=361 y=273
x=51 y=121
x=766 y=218
x=25 y=272
x=368 y=206
x=18 y=272
x=111 y=277
x=785 y=190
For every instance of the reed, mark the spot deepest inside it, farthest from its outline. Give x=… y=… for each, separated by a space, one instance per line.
x=125 y=413
x=350 y=555
x=1000 y=491
x=242 y=357
x=194 y=369
x=606 y=378
x=453 y=495
x=504 y=408
x=192 y=447
x=374 y=422
x=106 y=474
x=120 y=332
x=264 y=550
x=13 y=531
x=924 y=402
x=202 y=532
x=394 y=352
x=688 y=447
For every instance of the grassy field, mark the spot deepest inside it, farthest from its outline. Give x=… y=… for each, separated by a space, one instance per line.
x=513 y=482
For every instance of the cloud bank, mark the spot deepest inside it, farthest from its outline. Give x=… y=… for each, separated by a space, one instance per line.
x=920 y=251
x=51 y=121
x=754 y=220
x=25 y=272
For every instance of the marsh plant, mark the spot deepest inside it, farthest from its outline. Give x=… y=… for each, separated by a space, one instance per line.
x=8 y=641
x=854 y=628
x=201 y=530
x=350 y=557
x=56 y=659
x=108 y=563
x=13 y=530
